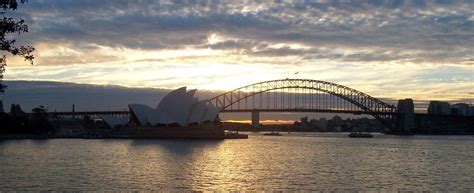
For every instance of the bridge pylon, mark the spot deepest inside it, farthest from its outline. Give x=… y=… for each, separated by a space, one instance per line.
x=255 y=118
x=406 y=116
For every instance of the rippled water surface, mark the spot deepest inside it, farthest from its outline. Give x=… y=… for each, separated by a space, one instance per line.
x=295 y=161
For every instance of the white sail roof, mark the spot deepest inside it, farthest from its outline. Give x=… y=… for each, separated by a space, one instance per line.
x=142 y=113
x=113 y=121
x=197 y=112
x=211 y=112
x=179 y=106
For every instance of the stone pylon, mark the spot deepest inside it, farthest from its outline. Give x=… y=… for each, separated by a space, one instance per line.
x=406 y=119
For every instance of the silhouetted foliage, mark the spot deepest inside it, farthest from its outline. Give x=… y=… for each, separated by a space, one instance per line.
x=5 y=121
x=16 y=111
x=15 y=122
x=39 y=121
x=19 y=122
x=9 y=25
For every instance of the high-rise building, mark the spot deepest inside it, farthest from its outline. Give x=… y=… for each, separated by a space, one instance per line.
x=460 y=109
x=406 y=108
x=439 y=108
x=471 y=111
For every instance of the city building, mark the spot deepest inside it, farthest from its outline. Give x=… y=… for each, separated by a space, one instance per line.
x=337 y=124
x=406 y=108
x=439 y=108
x=460 y=109
x=304 y=120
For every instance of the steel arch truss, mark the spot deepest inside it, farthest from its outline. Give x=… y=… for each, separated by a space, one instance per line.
x=336 y=98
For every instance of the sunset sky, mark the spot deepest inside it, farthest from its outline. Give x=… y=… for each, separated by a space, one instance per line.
x=396 y=49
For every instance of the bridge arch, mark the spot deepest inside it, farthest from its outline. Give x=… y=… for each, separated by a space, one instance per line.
x=365 y=103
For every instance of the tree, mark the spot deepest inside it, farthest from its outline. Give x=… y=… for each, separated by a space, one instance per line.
x=39 y=121
x=9 y=25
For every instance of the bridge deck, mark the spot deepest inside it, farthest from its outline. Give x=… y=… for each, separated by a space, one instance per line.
x=90 y=113
x=308 y=110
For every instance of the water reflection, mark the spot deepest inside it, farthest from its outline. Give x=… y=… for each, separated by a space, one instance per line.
x=258 y=163
x=181 y=147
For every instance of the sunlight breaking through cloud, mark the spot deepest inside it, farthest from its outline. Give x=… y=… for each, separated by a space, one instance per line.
x=420 y=49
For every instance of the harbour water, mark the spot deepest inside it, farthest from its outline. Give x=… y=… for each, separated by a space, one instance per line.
x=296 y=161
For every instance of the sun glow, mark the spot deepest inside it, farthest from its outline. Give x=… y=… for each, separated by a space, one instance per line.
x=204 y=68
x=264 y=122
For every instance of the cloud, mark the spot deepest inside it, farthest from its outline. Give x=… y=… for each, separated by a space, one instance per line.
x=387 y=25
x=133 y=38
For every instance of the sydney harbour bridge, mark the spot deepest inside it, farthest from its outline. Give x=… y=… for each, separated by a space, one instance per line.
x=294 y=95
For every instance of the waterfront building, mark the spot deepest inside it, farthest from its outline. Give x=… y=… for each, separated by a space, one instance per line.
x=460 y=109
x=1 y=106
x=304 y=121
x=177 y=107
x=439 y=108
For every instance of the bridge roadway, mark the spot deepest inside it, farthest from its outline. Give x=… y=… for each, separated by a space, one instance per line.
x=355 y=112
x=89 y=113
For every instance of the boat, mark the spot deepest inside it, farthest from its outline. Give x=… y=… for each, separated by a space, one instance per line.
x=360 y=135
x=235 y=135
x=273 y=133
x=92 y=136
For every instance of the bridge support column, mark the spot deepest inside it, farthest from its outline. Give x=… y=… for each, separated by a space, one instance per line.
x=73 y=111
x=255 y=118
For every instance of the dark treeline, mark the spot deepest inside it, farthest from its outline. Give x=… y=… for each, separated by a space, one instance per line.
x=19 y=122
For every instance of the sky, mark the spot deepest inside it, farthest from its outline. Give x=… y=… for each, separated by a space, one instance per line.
x=392 y=49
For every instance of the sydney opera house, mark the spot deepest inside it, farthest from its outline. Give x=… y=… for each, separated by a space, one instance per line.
x=179 y=107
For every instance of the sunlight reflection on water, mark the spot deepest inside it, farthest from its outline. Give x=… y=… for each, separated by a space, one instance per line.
x=295 y=161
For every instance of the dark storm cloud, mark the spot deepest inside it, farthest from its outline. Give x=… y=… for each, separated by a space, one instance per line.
x=388 y=30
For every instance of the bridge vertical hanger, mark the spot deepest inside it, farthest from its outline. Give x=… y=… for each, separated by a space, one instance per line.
x=328 y=95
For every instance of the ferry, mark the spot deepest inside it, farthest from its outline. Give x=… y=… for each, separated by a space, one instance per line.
x=273 y=133
x=360 y=135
